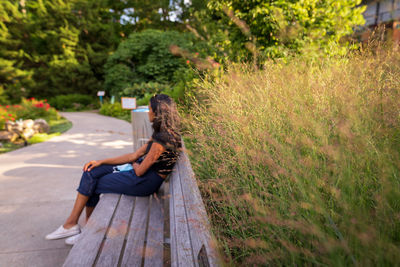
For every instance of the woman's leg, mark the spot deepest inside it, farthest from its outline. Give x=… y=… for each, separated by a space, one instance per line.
x=86 y=190
x=76 y=212
x=129 y=184
x=89 y=211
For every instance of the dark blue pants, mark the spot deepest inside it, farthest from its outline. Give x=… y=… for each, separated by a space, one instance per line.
x=102 y=180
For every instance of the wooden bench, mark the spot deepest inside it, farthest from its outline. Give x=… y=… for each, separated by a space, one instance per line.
x=169 y=228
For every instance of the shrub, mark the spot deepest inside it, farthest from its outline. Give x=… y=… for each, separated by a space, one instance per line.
x=74 y=102
x=146 y=57
x=138 y=90
x=298 y=164
x=115 y=110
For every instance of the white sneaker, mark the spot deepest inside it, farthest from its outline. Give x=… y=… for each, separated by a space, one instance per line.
x=72 y=240
x=61 y=232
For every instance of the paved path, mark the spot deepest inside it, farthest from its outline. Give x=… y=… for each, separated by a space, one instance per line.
x=38 y=186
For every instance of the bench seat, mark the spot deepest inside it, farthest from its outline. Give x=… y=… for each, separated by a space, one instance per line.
x=168 y=228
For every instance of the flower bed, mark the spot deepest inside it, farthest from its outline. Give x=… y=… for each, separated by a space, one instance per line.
x=31 y=109
x=28 y=109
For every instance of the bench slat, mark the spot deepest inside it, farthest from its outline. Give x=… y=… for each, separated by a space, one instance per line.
x=84 y=252
x=155 y=235
x=180 y=238
x=199 y=226
x=135 y=241
x=172 y=226
x=112 y=248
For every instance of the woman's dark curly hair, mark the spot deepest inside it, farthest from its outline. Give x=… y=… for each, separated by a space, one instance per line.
x=166 y=122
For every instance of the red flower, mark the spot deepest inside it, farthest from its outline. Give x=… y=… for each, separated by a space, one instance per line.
x=7 y=106
x=45 y=100
x=187 y=61
x=10 y=115
x=32 y=98
x=12 y=119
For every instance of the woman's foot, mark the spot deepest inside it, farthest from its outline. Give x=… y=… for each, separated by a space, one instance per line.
x=62 y=232
x=72 y=240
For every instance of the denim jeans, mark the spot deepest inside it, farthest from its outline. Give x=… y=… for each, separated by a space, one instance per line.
x=102 y=179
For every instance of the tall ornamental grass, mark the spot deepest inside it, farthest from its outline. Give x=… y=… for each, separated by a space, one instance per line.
x=298 y=163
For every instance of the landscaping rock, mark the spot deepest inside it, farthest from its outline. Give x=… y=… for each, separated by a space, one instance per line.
x=41 y=126
x=28 y=124
x=14 y=127
x=8 y=136
x=24 y=129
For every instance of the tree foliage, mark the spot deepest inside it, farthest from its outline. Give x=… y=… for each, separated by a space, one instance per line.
x=146 y=57
x=277 y=28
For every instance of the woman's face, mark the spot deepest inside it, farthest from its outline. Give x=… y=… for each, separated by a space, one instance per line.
x=151 y=114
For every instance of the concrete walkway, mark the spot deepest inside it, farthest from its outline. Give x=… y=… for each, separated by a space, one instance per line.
x=38 y=186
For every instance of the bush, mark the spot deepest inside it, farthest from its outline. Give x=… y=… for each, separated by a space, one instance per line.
x=139 y=90
x=115 y=110
x=146 y=57
x=74 y=102
x=298 y=164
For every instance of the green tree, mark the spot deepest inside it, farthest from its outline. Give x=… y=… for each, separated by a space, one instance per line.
x=55 y=46
x=68 y=45
x=13 y=77
x=146 y=57
x=277 y=27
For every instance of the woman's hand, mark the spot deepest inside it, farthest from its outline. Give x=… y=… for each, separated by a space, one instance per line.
x=91 y=164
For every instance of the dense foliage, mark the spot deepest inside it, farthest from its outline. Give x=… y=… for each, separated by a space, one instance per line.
x=146 y=57
x=74 y=102
x=278 y=28
x=60 y=47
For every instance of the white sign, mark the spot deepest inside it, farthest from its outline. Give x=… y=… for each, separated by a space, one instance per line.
x=128 y=102
x=101 y=93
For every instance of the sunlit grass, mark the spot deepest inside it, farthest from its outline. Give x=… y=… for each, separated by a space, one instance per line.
x=41 y=137
x=299 y=163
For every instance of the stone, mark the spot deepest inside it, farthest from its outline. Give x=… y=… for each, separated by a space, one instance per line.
x=41 y=126
x=28 y=133
x=15 y=127
x=8 y=136
x=28 y=124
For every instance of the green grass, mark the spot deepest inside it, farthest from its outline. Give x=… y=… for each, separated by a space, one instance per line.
x=7 y=147
x=56 y=128
x=298 y=163
x=41 y=137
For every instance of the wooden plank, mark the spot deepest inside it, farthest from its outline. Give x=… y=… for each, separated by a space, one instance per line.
x=199 y=227
x=116 y=234
x=173 y=246
x=155 y=233
x=134 y=249
x=84 y=252
x=183 y=247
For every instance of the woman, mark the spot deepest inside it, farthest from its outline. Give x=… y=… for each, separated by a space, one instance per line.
x=151 y=165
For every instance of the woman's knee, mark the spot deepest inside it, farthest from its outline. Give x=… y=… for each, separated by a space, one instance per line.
x=99 y=171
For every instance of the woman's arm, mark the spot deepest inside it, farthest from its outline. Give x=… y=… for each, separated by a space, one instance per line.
x=131 y=157
x=155 y=151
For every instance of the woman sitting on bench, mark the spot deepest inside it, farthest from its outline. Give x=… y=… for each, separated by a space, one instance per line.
x=142 y=176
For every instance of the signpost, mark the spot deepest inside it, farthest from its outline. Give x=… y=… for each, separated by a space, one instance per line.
x=101 y=94
x=128 y=102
